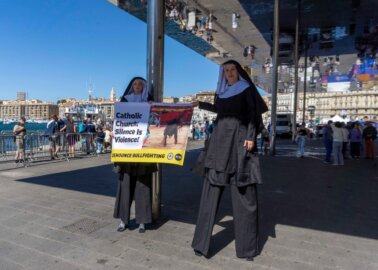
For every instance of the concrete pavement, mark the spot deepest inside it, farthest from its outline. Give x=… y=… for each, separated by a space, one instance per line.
x=312 y=216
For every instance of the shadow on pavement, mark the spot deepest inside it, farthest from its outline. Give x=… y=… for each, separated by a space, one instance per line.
x=97 y=180
x=303 y=193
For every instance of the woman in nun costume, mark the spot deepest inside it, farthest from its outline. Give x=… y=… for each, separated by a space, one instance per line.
x=230 y=161
x=134 y=178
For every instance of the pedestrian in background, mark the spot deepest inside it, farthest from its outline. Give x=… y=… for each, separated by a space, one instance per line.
x=108 y=139
x=302 y=134
x=355 y=141
x=82 y=126
x=100 y=137
x=19 y=131
x=70 y=131
x=197 y=131
x=328 y=141
x=90 y=132
x=338 y=139
x=264 y=144
x=60 y=133
x=51 y=130
x=370 y=135
x=345 y=149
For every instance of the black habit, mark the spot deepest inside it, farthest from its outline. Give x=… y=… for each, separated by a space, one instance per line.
x=134 y=183
x=228 y=162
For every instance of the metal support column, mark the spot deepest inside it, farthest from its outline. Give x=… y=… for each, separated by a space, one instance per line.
x=273 y=114
x=155 y=69
x=304 y=87
x=296 y=62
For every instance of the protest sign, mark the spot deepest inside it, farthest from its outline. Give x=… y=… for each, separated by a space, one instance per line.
x=156 y=132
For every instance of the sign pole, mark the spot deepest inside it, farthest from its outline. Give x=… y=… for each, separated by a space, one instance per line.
x=155 y=69
x=276 y=35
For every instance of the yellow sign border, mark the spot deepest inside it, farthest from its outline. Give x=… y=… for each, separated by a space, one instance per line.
x=149 y=155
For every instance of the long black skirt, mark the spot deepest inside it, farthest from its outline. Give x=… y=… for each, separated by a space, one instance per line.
x=245 y=212
x=132 y=187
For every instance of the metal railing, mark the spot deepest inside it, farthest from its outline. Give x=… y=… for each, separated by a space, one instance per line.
x=38 y=146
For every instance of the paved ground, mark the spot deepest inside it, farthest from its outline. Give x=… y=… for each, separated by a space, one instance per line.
x=312 y=216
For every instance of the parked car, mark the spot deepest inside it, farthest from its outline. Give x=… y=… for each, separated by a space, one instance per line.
x=283 y=124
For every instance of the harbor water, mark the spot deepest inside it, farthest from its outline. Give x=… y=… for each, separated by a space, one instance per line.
x=29 y=127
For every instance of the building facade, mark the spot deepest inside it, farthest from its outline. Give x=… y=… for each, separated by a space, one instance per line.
x=350 y=104
x=187 y=99
x=11 y=111
x=41 y=110
x=37 y=110
x=206 y=96
x=107 y=107
x=170 y=99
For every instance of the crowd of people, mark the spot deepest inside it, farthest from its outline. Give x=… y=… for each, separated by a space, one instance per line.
x=64 y=132
x=342 y=141
x=348 y=141
x=201 y=130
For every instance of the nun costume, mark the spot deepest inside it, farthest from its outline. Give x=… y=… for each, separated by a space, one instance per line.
x=230 y=161
x=134 y=178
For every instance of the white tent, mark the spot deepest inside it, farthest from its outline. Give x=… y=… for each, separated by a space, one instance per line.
x=338 y=118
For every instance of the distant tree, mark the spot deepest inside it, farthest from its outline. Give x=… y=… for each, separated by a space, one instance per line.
x=61 y=101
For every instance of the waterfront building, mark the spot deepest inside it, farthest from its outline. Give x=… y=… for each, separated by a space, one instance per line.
x=187 y=99
x=42 y=111
x=11 y=111
x=31 y=110
x=170 y=99
x=206 y=96
x=107 y=108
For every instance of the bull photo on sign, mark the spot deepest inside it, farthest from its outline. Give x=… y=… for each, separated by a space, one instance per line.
x=168 y=127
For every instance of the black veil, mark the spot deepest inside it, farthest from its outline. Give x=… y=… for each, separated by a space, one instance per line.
x=260 y=106
x=129 y=89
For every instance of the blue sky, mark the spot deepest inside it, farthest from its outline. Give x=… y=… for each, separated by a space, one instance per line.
x=54 y=49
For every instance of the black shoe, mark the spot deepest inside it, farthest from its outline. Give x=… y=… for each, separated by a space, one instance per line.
x=198 y=253
x=250 y=259
x=17 y=161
